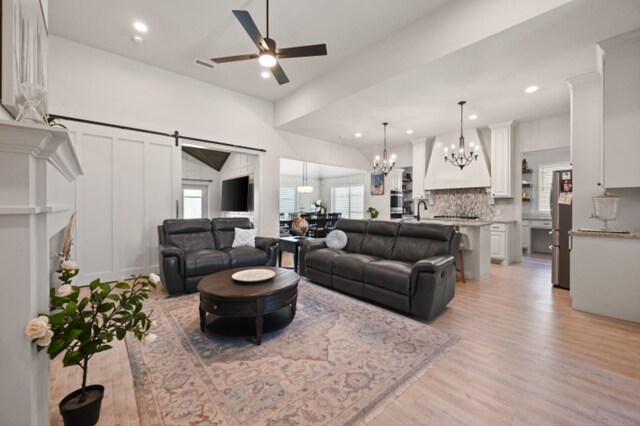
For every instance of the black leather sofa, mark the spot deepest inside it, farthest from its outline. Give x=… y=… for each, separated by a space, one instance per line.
x=406 y=266
x=191 y=249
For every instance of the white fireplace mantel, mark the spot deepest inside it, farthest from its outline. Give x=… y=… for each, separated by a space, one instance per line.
x=37 y=166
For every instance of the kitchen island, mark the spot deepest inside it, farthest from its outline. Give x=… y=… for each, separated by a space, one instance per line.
x=477 y=255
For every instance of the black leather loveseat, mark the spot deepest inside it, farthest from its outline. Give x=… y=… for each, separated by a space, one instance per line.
x=191 y=249
x=407 y=266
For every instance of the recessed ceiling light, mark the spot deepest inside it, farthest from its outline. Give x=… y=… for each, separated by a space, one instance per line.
x=358 y=135
x=409 y=132
x=138 y=39
x=473 y=117
x=531 y=89
x=140 y=26
x=265 y=74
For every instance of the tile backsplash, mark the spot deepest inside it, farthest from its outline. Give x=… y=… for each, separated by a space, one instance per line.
x=462 y=202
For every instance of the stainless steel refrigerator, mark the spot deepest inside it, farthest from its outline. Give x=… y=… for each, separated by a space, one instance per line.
x=561 y=203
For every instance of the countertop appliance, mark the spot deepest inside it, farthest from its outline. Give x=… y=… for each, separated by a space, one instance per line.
x=561 y=203
x=396 y=204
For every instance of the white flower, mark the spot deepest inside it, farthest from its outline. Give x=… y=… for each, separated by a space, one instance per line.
x=68 y=265
x=154 y=278
x=154 y=323
x=65 y=290
x=150 y=337
x=37 y=327
x=122 y=280
x=46 y=339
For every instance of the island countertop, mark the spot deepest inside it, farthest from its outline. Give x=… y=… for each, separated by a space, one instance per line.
x=604 y=234
x=455 y=222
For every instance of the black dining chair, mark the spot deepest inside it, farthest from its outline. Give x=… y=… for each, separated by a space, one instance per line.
x=332 y=219
x=319 y=228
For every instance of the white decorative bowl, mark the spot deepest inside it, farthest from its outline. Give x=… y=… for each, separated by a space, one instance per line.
x=253 y=275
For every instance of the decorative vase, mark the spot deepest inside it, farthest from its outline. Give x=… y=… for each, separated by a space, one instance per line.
x=32 y=101
x=86 y=413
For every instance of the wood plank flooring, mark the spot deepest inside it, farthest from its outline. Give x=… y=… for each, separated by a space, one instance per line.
x=525 y=357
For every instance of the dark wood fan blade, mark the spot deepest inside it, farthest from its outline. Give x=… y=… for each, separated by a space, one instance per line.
x=250 y=27
x=279 y=74
x=234 y=58
x=300 y=51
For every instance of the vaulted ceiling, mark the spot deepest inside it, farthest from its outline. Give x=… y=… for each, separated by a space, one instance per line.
x=407 y=62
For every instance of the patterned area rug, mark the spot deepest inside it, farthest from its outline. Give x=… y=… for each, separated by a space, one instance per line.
x=335 y=363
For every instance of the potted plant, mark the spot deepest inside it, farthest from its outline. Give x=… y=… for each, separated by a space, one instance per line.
x=82 y=327
x=373 y=212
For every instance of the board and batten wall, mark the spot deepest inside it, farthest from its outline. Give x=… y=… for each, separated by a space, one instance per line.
x=131 y=183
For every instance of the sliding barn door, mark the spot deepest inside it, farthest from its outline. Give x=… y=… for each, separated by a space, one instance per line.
x=131 y=183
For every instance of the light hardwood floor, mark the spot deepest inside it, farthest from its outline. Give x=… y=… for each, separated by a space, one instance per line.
x=525 y=357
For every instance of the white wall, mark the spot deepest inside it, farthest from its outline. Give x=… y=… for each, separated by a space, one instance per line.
x=192 y=168
x=93 y=84
x=546 y=133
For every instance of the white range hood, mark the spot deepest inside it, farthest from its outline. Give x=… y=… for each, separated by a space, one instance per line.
x=443 y=175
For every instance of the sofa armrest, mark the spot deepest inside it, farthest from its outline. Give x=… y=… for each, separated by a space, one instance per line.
x=170 y=250
x=171 y=268
x=307 y=245
x=432 y=264
x=270 y=247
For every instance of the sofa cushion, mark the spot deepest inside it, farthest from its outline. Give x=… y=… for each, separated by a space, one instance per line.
x=188 y=234
x=223 y=229
x=336 y=239
x=246 y=256
x=389 y=274
x=355 y=230
x=351 y=265
x=417 y=241
x=204 y=262
x=244 y=237
x=380 y=239
x=322 y=259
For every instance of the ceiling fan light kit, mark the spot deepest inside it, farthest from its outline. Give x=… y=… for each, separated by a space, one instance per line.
x=268 y=54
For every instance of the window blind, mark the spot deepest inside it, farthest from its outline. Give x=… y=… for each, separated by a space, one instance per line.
x=545 y=183
x=348 y=200
x=288 y=200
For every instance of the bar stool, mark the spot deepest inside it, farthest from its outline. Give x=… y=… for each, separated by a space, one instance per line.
x=464 y=246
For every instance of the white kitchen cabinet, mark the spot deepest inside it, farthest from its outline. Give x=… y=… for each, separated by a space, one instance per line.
x=501 y=160
x=621 y=103
x=498 y=241
x=526 y=236
x=394 y=180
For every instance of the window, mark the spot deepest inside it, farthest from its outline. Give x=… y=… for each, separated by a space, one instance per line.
x=288 y=200
x=194 y=201
x=545 y=182
x=348 y=200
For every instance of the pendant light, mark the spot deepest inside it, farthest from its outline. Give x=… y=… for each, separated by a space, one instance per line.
x=387 y=163
x=305 y=188
x=462 y=158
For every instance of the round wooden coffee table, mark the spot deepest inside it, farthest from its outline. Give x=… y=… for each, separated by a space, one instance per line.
x=247 y=310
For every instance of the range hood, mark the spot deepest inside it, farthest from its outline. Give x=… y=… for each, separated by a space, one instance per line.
x=444 y=175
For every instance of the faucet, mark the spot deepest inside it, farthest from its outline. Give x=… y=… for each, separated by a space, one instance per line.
x=421 y=202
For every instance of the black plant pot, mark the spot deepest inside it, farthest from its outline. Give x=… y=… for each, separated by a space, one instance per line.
x=86 y=413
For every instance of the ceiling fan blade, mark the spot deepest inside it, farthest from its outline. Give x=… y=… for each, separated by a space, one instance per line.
x=250 y=27
x=300 y=51
x=279 y=74
x=234 y=58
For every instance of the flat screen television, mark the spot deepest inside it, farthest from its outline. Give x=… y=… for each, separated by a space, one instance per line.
x=235 y=195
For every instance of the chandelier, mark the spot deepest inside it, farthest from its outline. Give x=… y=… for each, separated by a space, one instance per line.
x=305 y=188
x=387 y=164
x=462 y=158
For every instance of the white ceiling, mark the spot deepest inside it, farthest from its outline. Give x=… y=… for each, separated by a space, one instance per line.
x=314 y=171
x=490 y=75
x=483 y=51
x=181 y=31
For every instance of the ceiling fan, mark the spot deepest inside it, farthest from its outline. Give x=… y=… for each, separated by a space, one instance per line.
x=267 y=52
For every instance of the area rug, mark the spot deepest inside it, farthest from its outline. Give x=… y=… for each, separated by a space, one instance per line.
x=334 y=364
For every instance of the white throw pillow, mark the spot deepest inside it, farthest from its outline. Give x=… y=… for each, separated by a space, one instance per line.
x=244 y=237
x=336 y=240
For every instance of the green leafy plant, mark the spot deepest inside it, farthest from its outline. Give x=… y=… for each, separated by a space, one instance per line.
x=373 y=212
x=83 y=327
